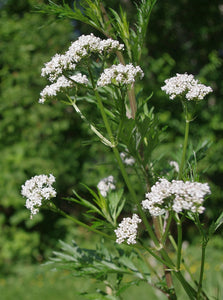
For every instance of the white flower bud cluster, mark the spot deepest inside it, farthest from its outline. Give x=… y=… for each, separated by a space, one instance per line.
x=61 y=84
x=177 y=196
x=185 y=85
x=120 y=74
x=105 y=185
x=37 y=189
x=127 y=230
x=128 y=161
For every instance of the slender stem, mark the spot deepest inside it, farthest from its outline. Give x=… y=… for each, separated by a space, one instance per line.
x=148 y=263
x=184 y=149
x=204 y=244
x=132 y=101
x=172 y=242
x=164 y=237
x=167 y=272
x=124 y=173
x=132 y=192
x=187 y=287
x=179 y=243
x=101 y=137
x=53 y=207
x=157 y=257
x=157 y=228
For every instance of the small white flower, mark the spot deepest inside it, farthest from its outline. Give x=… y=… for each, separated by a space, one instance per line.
x=54 y=68
x=36 y=190
x=175 y=165
x=83 y=47
x=177 y=196
x=120 y=74
x=61 y=84
x=127 y=230
x=185 y=85
x=87 y=44
x=105 y=185
x=128 y=161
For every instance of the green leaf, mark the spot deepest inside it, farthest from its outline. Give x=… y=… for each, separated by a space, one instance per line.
x=138 y=37
x=122 y=28
x=83 y=202
x=127 y=285
x=115 y=203
x=215 y=225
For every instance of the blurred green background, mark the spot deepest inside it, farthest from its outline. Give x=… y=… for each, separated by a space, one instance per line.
x=183 y=36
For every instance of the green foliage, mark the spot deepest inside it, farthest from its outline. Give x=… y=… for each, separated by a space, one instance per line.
x=31 y=144
x=101 y=264
x=89 y=13
x=109 y=208
x=33 y=139
x=138 y=37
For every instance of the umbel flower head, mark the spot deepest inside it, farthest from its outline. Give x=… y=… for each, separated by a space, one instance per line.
x=36 y=190
x=60 y=85
x=63 y=64
x=83 y=47
x=186 y=86
x=176 y=195
x=120 y=74
x=105 y=185
x=127 y=230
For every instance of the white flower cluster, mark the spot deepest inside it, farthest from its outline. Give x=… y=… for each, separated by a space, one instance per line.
x=81 y=48
x=127 y=229
x=54 y=68
x=176 y=195
x=105 y=185
x=185 y=85
x=120 y=74
x=128 y=161
x=61 y=84
x=36 y=190
x=87 y=44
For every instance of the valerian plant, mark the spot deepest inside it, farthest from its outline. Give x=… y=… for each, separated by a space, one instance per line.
x=103 y=73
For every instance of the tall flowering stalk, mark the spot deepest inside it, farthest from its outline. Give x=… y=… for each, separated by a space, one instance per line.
x=187 y=88
x=133 y=137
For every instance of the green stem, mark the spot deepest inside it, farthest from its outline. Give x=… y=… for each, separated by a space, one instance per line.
x=204 y=244
x=187 y=287
x=179 y=243
x=164 y=237
x=147 y=263
x=132 y=101
x=123 y=171
x=184 y=149
x=54 y=208
x=157 y=257
x=186 y=134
